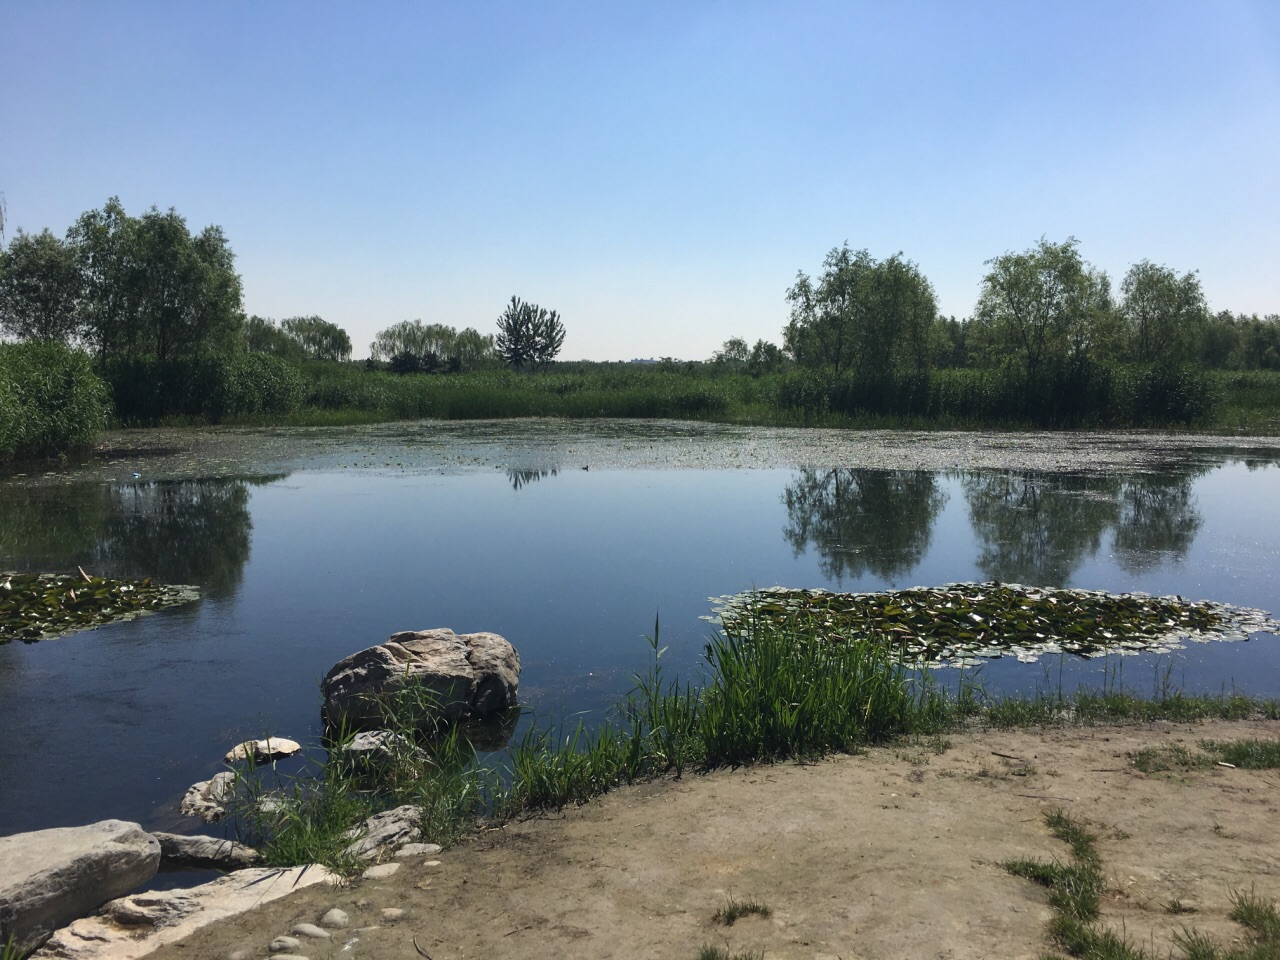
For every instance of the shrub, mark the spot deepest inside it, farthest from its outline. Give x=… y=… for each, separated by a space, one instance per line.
x=212 y=388
x=51 y=402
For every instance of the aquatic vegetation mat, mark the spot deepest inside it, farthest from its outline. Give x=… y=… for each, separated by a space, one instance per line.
x=955 y=624
x=41 y=606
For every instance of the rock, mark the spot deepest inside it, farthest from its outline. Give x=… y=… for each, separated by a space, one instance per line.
x=392 y=914
x=50 y=877
x=206 y=799
x=381 y=872
x=391 y=828
x=262 y=751
x=468 y=676
x=335 y=918
x=284 y=945
x=418 y=850
x=177 y=850
x=310 y=930
x=158 y=909
x=375 y=748
x=104 y=938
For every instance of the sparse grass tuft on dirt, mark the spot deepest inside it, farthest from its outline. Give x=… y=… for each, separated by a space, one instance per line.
x=735 y=909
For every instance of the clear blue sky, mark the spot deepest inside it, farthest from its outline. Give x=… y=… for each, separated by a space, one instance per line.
x=656 y=171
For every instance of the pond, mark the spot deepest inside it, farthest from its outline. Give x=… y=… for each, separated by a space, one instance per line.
x=572 y=540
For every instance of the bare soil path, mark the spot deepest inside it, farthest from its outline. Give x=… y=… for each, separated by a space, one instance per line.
x=893 y=853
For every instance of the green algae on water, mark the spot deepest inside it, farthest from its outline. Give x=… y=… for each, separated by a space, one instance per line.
x=42 y=606
x=957 y=623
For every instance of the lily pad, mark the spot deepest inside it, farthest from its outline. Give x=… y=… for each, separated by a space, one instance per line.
x=952 y=624
x=45 y=605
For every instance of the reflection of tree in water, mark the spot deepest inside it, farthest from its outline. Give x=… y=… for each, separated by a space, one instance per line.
x=522 y=478
x=1038 y=528
x=191 y=531
x=863 y=521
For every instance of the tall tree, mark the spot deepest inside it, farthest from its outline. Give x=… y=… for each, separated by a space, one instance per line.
x=1042 y=306
x=39 y=288
x=861 y=315
x=1164 y=315
x=528 y=335
x=318 y=338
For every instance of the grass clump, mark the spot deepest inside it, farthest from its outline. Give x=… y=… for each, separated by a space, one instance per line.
x=712 y=952
x=1247 y=753
x=735 y=909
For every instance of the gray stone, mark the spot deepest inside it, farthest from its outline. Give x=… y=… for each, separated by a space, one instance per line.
x=376 y=748
x=381 y=872
x=207 y=798
x=262 y=751
x=335 y=918
x=310 y=930
x=391 y=828
x=50 y=877
x=417 y=850
x=177 y=850
x=468 y=676
x=284 y=945
x=392 y=914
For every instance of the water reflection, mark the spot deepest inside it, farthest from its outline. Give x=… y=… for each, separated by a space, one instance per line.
x=522 y=478
x=1039 y=528
x=863 y=521
x=191 y=531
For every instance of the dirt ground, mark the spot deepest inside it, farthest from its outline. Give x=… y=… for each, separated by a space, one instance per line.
x=894 y=853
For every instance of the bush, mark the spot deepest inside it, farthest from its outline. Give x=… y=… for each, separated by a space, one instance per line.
x=51 y=402
x=212 y=388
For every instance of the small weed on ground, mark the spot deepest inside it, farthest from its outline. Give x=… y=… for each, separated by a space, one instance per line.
x=711 y=952
x=735 y=910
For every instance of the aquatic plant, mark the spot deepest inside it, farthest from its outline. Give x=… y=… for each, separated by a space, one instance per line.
x=956 y=623
x=39 y=606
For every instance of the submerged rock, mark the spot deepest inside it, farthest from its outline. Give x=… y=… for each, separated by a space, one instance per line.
x=48 y=878
x=447 y=676
x=177 y=850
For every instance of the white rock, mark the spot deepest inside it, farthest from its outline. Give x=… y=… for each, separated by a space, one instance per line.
x=418 y=850
x=392 y=914
x=162 y=908
x=310 y=930
x=284 y=945
x=262 y=751
x=381 y=871
x=48 y=878
x=335 y=918
x=101 y=938
x=391 y=828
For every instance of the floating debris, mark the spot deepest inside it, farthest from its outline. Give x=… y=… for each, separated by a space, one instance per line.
x=957 y=623
x=41 y=606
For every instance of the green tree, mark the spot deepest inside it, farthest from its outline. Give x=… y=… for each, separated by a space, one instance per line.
x=1164 y=315
x=861 y=315
x=415 y=346
x=318 y=338
x=261 y=335
x=1043 y=306
x=734 y=353
x=528 y=335
x=39 y=288
x=765 y=358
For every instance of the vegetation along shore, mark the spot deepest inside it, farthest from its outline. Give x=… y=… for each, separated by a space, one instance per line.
x=135 y=320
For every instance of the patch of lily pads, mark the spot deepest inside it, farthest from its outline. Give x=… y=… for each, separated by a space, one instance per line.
x=958 y=624
x=42 y=606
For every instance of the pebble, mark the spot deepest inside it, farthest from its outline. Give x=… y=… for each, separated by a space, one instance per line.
x=418 y=850
x=335 y=918
x=310 y=930
x=284 y=945
x=239 y=955
x=431 y=863
x=381 y=871
x=392 y=914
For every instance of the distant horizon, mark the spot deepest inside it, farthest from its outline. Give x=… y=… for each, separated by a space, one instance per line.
x=658 y=172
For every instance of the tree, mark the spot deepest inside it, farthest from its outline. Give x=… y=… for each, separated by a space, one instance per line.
x=318 y=338
x=151 y=289
x=528 y=335
x=734 y=353
x=261 y=335
x=415 y=347
x=861 y=315
x=1164 y=315
x=765 y=358
x=1042 y=306
x=39 y=288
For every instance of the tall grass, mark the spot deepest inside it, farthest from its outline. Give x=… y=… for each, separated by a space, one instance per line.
x=51 y=402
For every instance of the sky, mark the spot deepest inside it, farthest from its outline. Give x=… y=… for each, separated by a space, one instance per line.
x=656 y=171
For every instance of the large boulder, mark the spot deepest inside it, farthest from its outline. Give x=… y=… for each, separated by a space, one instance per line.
x=182 y=851
x=50 y=877
x=461 y=676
